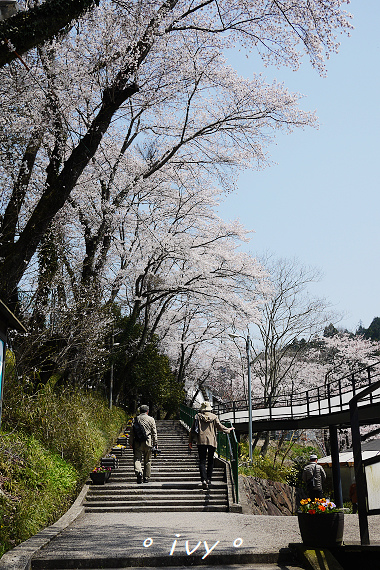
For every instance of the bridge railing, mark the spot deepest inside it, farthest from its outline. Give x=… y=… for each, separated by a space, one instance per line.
x=331 y=397
x=227 y=444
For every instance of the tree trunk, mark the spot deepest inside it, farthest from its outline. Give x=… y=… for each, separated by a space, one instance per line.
x=264 y=448
x=26 y=30
x=58 y=188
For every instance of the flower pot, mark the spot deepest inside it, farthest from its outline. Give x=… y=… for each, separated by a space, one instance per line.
x=99 y=478
x=110 y=461
x=122 y=440
x=324 y=530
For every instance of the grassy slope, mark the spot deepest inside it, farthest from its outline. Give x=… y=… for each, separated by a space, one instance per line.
x=48 y=444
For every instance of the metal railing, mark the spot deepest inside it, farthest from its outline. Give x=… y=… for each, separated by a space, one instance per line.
x=227 y=444
x=228 y=448
x=187 y=415
x=332 y=397
x=360 y=475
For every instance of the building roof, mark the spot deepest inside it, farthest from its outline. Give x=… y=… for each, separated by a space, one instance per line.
x=373 y=445
x=369 y=449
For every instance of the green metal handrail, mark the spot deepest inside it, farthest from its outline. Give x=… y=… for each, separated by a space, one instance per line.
x=228 y=448
x=187 y=415
x=227 y=444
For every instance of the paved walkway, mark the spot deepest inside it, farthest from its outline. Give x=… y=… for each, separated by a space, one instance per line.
x=168 y=539
x=170 y=536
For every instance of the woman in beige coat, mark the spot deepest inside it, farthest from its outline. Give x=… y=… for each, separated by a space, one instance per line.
x=204 y=429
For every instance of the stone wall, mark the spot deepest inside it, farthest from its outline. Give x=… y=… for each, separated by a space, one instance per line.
x=270 y=497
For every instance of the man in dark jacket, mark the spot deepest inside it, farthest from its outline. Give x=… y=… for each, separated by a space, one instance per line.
x=314 y=476
x=143 y=448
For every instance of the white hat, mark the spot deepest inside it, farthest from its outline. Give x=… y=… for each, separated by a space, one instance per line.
x=206 y=407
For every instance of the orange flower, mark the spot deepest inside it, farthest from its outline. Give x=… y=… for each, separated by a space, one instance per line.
x=321 y=507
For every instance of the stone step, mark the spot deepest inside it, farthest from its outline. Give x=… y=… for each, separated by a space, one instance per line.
x=158 y=508
x=174 y=462
x=158 y=477
x=168 y=464
x=217 y=496
x=249 y=566
x=117 y=473
x=170 y=461
x=151 y=501
x=153 y=487
x=174 y=487
x=161 y=467
x=174 y=449
x=193 y=481
x=171 y=449
x=147 y=490
x=174 y=484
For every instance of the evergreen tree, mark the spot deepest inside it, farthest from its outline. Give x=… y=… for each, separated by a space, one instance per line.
x=330 y=331
x=373 y=331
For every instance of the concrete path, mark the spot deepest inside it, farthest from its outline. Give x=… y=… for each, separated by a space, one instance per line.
x=169 y=537
x=119 y=540
x=172 y=539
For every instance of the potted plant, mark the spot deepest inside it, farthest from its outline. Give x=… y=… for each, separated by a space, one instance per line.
x=109 y=460
x=321 y=523
x=119 y=449
x=122 y=439
x=100 y=475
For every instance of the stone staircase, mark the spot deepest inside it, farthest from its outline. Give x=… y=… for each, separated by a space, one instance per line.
x=174 y=484
x=130 y=526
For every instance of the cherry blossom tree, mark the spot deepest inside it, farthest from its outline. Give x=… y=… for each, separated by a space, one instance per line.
x=112 y=164
x=107 y=72
x=196 y=337
x=289 y=315
x=186 y=286
x=347 y=353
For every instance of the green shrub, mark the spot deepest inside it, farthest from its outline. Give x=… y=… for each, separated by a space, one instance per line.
x=76 y=424
x=37 y=485
x=299 y=458
x=49 y=443
x=263 y=468
x=274 y=466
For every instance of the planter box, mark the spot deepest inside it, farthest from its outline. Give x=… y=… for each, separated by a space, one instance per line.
x=118 y=451
x=122 y=440
x=321 y=530
x=100 y=478
x=109 y=462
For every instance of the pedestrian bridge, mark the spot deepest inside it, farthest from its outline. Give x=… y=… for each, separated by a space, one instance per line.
x=318 y=407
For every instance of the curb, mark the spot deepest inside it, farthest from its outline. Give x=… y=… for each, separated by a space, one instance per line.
x=19 y=558
x=315 y=558
x=282 y=558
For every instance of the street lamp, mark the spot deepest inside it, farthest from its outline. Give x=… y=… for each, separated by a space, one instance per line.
x=247 y=348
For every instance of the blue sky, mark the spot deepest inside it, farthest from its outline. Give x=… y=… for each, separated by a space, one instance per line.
x=320 y=203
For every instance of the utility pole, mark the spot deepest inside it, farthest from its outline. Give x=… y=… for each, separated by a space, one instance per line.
x=247 y=345
x=111 y=373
